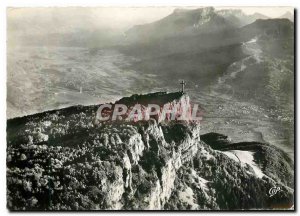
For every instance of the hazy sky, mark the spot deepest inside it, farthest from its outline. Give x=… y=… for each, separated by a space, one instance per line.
x=34 y=20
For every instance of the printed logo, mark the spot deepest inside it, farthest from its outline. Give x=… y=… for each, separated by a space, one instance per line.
x=274 y=190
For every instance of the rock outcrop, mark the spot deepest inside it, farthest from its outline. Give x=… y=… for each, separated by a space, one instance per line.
x=144 y=165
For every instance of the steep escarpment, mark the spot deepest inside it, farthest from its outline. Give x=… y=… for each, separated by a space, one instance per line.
x=272 y=161
x=214 y=180
x=63 y=160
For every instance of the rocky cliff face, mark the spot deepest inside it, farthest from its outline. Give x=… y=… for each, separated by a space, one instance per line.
x=60 y=160
x=178 y=103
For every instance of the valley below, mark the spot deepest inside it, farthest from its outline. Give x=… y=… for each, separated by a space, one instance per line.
x=59 y=73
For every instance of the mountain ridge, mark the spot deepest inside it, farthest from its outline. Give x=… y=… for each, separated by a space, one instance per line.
x=180 y=22
x=63 y=161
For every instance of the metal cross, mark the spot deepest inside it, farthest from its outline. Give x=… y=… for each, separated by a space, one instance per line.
x=183 y=84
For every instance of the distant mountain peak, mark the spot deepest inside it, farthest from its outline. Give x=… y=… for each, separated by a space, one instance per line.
x=180 y=10
x=231 y=12
x=194 y=14
x=181 y=22
x=269 y=28
x=259 y=16
x=238 y=18
x=288 y=15
x=202 y=9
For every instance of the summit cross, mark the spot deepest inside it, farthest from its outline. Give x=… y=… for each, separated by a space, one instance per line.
x=182 y=86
